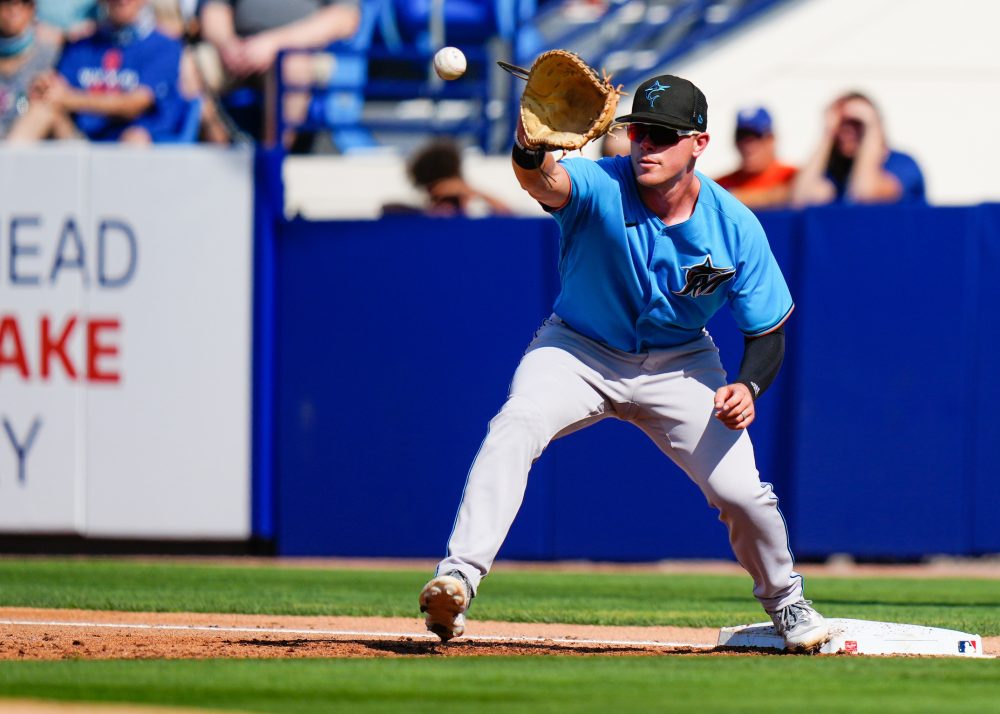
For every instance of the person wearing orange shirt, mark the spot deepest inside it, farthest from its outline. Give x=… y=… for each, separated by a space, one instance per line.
x=761 y=181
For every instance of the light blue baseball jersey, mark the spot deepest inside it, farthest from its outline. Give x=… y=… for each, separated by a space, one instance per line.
x=634 y=283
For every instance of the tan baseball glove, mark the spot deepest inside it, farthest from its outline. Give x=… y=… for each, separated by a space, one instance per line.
x=566 y=103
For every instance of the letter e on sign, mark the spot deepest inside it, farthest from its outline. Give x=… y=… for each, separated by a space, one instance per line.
x=96 y=349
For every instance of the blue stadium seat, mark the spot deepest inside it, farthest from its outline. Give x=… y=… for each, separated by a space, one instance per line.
x=188 y=125
x=466 y=22
x=338 y=102
x=633 y=45
x=387 y=64
x=401 y=54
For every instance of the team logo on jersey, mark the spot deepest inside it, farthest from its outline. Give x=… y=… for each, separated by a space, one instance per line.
x=653 y=92
x=704 y=278
x=111 y=77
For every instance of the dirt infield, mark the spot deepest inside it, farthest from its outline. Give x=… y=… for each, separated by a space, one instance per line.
x=35 y=634
x=128 y=635
x=81 y=634
x=77 y=634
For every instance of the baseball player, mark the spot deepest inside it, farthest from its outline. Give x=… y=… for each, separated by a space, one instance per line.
x=650 y=249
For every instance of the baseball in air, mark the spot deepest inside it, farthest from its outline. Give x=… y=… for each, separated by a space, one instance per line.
x=449 y=63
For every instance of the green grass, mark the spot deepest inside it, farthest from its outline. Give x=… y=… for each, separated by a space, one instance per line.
x=484 y=684
x=634 y=599
x=529 y=684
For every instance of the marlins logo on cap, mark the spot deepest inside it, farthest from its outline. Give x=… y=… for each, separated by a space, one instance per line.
x=669 y=101
x=653 y=92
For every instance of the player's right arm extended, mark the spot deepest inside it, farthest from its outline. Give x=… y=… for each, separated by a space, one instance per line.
x=539 y=173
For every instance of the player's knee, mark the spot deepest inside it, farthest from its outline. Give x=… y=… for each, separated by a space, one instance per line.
x=739 y=494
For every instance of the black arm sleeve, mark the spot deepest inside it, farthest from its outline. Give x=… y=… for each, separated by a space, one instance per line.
x=762 y=357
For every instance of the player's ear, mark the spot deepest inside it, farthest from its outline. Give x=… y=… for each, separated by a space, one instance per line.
x=700 y=144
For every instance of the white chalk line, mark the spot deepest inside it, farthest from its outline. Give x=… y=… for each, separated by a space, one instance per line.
x=372 y=635
x=353 y=633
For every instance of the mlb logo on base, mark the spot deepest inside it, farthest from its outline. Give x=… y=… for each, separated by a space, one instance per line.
x=967 y=646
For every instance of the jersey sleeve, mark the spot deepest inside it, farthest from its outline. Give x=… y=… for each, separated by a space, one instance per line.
x=759 y=299
x=586 y=178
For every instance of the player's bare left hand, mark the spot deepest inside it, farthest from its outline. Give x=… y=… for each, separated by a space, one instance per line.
x=734 y=406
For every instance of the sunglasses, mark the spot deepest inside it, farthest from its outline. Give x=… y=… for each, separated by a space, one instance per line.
x=659 y=135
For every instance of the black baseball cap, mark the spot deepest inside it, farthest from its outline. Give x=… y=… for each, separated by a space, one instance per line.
x=669 y=101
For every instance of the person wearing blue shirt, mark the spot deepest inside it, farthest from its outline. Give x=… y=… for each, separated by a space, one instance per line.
x=650 y=249
x=853 y=162
x=119 y=84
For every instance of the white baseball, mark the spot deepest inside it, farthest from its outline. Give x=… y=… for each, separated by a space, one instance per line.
x=449 y=63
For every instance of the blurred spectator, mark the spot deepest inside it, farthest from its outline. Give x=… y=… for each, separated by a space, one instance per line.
x=615 y=143
x=761 y=181
x=23 y=56
x=243 y=38
x=436 y=169
x=71 y=19
x=853 y=162
x=583 y=11
x=119 y=84
x=179 y=19
x=176 y=18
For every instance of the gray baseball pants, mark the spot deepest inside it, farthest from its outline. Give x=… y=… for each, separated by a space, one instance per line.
x=565 y=382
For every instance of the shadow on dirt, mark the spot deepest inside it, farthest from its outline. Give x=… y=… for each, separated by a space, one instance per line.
x=383 y=647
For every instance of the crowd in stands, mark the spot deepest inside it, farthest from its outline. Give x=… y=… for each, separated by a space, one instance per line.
x=852 y=163
x=152 y=71
x=241 y=41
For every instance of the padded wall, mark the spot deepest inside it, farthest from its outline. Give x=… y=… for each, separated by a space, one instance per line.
x=396 y=341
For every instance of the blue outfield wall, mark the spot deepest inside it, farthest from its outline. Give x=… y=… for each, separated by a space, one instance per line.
x=394 y=342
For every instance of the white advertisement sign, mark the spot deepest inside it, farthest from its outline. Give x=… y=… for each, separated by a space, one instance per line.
x=125 y=341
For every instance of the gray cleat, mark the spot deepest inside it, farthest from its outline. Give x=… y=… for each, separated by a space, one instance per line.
x=445 y=599
x=802 y=627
